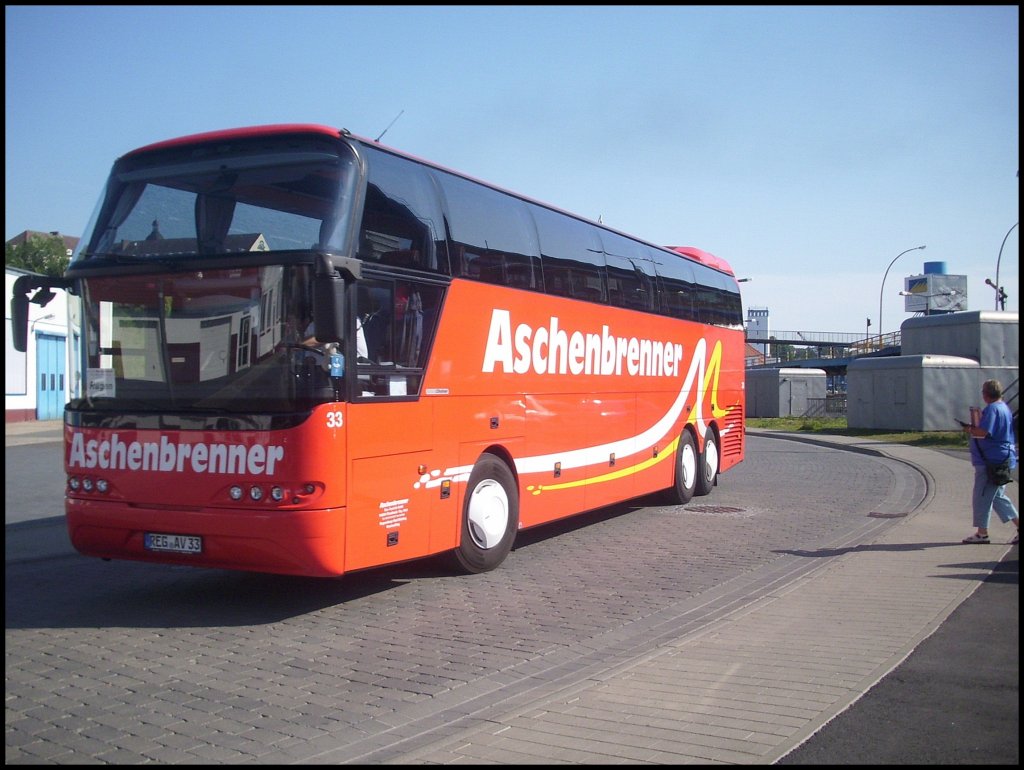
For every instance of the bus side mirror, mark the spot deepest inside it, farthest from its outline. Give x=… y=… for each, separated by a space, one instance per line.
x=329 y=307
x=19 y=318
x=330 y=277
x=19 y=303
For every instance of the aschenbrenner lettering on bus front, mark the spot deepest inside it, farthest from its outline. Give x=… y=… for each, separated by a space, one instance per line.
x=168 y=456
x=551 y=350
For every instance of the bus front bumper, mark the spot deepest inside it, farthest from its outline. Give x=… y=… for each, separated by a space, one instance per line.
x=292 y=542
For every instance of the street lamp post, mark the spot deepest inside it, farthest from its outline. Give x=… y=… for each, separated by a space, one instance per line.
x=880 y=328
x=46 y=317
x=999 y=292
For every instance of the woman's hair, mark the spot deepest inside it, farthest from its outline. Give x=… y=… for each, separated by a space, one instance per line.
x=993 y=389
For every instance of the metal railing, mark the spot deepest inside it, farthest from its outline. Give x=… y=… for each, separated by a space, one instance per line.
x=838 y=339
x=856 y=344
x=830 y=406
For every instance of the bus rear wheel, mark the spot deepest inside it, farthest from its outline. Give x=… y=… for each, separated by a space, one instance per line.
x=490 y=516
x=709 y=463
x=685 y=477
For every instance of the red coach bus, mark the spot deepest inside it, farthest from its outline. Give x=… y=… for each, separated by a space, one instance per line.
x=306 y=353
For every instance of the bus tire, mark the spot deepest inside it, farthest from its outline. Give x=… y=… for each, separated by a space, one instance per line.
x=685 y=476
x=490 y=516
x=709 y=464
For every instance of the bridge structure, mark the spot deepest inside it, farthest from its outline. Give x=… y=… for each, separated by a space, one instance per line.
x=841 y=347
x=832 y=340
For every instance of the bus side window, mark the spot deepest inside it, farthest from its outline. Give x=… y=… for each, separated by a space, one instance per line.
x=571 y=255
x=627 y=266
x=408 y=324
x=491 y=233
x=395 y=321
x=402 y=220
x=373 y=309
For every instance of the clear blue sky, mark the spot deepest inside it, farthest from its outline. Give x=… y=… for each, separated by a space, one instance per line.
x=808 y=146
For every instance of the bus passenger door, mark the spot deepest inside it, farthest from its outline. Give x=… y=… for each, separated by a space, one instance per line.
x=391 y=440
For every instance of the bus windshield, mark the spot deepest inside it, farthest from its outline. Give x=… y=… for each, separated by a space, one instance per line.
x=185 y=305
x=229 y=197
x=210 y=341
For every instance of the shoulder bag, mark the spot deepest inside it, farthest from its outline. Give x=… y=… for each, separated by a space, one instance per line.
x=998 y=473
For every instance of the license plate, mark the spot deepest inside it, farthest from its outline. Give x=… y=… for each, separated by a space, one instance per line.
x=155 y=541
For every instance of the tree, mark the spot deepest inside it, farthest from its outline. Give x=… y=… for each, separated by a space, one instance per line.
x=784 y=352
x=39 y=253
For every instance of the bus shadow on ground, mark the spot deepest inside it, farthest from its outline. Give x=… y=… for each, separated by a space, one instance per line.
x=76 y=592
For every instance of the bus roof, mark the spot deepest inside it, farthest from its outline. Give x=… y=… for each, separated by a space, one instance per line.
x=704 y=258
x=699 y=255
x=243 y=133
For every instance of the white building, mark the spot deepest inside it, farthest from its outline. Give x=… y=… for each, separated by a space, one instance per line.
x=757 y=326
x=40 y=381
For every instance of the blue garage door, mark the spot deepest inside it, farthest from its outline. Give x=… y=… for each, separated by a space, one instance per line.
x=50 y=382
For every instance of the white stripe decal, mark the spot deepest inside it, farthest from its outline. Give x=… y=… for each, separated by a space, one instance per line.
x=623 y=448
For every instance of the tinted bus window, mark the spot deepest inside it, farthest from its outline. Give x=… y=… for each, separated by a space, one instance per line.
x=629 y=284
x=492 y=235
x=678 y=285
x=402 y=220
x=718 y=299
x=572 y=256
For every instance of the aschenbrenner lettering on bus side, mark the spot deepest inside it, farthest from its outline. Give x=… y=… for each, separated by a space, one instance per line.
x=553 y=350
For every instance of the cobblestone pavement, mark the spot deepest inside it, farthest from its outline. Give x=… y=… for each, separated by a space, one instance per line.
x=130 y=663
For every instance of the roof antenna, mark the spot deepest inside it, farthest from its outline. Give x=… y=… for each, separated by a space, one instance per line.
x=389 y=126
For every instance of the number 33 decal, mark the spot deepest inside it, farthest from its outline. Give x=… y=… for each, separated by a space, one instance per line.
x=335 y=419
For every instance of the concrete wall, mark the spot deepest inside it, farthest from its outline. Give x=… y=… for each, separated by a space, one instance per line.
x=925 y=391
x=783 y=392
x=916 y=392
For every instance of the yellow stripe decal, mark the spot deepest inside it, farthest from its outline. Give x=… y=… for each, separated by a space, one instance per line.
x=651 y=461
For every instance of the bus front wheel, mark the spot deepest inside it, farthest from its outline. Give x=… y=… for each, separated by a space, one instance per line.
x=685 y=477
x=709 y=462
x=490 y=516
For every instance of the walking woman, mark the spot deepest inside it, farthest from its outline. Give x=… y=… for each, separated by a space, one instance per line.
x=993 y=442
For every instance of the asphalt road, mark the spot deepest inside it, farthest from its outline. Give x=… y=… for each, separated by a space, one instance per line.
x=954 y=701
